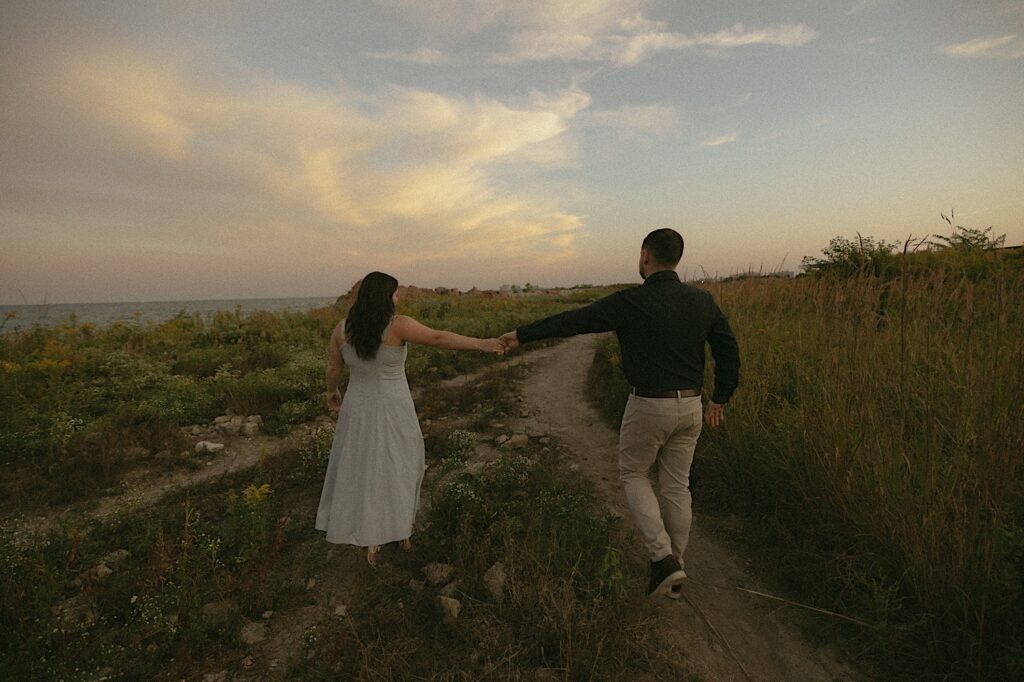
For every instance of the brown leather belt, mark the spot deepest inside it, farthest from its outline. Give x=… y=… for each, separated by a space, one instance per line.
x=682 y=393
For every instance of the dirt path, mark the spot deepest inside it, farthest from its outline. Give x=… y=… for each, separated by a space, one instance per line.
x=726 y=634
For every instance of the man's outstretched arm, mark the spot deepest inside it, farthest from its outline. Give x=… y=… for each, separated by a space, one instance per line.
x=600 y=316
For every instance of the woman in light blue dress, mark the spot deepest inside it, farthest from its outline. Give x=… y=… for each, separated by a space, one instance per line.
x=372 y=487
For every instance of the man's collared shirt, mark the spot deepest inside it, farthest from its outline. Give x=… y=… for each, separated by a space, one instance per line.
x=662 y=326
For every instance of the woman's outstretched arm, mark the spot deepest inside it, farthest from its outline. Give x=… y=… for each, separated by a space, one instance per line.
x=408 y=329
x=335 y=363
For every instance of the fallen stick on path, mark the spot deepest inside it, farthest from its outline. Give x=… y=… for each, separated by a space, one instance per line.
x=718 y=634
x=785 y=601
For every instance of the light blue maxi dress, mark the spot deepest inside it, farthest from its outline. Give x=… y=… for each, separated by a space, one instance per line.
x=372 y=486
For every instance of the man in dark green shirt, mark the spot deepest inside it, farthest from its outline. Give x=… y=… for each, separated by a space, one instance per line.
x=662 y=327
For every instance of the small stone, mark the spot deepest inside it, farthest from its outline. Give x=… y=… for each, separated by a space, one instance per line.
x=266 y=615
x=497 y=425
x=340 y=610
x=75 y=613
x=253 y=633
x=494 y=581
x=574 y=467
x=501 y=440
x=229 y=428
x=450 y=609
x=311 y=583
x=416 y=585
x=524 y=414
x=115 y=557
x=205 y=447
x=101 y=571
x=237 y=420
x=450 y=589
x=221 y=614
x=518 y=441
x=196 y=430
x=250 y=429
x=221 y=419
x=248 y=662
x=254 y=419
x=438 y=573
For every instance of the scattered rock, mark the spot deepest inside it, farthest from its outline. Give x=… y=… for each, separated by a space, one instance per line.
x=266 y=615
x=416 y=585
x=340 y=610
x=253 y=633
x=254 y=419
x=237 y=420
x=517 y=441
x=196 y=430
x=205 y=447
x=222 y=419
x=501 y=440
x=494 y=581
x=450 y=609
x=77 y=613
x=524 y=414
x=101 y=571
x=498 y=425
x=228 y=428
x=450 y=589
x=250 y=429
x=220 y=614
x=438 y=573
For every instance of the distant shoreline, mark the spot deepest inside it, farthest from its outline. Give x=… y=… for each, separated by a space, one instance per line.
x=102 y=314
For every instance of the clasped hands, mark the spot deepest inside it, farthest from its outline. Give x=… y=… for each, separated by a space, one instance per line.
x=503 y=344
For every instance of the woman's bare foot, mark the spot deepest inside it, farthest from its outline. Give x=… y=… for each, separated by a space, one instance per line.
x=406 y=544
x=371 y=554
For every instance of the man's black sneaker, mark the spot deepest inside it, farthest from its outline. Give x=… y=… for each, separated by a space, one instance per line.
x=665 y=574
x=676 y=592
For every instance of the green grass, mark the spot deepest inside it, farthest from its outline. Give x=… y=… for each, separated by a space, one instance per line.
x=75 y=399
x=573 y=605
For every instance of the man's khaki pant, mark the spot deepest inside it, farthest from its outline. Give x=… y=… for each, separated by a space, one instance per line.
x=660 y=433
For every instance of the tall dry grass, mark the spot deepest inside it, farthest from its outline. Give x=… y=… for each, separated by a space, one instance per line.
x=875 y=442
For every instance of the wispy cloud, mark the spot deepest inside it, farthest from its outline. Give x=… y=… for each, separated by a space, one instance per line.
x=423 y=55
x=719 y=140
x=638 y=39
x=403 y=176
x=654 y=119
x=1008 y=46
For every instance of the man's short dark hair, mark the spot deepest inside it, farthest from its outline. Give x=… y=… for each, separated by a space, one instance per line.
x=665 y=246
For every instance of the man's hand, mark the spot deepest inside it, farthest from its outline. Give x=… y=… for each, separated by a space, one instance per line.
x=510 y=340
x=334 y=401
x=714 y=415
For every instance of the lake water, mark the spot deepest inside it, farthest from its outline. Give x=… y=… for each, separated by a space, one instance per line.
x=102 y=314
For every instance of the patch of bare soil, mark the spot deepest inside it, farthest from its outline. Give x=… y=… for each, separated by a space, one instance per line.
x=726 y=634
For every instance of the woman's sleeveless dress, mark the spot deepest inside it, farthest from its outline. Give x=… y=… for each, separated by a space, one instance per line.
x=372 y=487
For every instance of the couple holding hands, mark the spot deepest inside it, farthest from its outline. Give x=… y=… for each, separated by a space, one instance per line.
x=372 y=485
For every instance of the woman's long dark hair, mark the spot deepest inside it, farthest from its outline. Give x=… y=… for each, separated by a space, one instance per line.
x=371 y=313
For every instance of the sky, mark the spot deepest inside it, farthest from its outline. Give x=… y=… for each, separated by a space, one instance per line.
x=221 y=149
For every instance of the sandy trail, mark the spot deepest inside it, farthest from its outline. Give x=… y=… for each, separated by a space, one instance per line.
x=748 y=637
